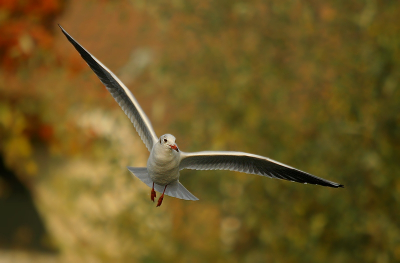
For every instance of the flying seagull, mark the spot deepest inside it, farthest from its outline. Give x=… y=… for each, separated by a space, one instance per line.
x=166 y=159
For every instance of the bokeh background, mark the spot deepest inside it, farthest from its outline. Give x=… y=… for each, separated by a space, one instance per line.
x=313 y=84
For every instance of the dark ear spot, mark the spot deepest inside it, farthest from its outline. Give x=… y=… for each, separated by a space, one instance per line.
x=160 y=140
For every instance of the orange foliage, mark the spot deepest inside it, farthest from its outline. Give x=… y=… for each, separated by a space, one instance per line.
x=26 y=28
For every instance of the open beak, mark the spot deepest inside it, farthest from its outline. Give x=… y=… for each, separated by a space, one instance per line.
x=174 y=147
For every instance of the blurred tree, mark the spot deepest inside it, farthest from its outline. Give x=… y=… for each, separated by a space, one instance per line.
x=25 y=30
x=312 y=84
x=20 y=224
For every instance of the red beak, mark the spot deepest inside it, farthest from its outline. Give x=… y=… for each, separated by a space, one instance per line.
x=174 y=147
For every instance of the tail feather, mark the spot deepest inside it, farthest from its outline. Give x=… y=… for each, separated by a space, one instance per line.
x=175 y=189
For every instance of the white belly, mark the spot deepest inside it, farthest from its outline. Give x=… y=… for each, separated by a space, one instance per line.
x=163 y=165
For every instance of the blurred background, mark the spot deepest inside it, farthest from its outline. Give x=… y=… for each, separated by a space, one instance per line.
x=313 y=84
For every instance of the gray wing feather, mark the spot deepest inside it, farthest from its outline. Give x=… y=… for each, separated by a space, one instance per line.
x=249 y=163
x=121 y=94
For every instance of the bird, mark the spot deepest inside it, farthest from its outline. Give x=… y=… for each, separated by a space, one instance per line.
x=166 y=160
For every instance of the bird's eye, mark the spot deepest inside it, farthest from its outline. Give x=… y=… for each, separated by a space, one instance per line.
x=165 y=140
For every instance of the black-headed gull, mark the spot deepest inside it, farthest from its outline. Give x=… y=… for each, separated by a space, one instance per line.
x=166 y=160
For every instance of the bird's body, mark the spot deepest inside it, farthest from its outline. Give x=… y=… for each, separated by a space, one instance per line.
x=166 y=159
x=163 y=163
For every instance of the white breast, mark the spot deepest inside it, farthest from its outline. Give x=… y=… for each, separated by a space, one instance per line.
x=163 y=165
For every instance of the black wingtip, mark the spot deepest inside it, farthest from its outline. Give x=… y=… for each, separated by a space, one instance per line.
x=64 y=32
x=84 y=54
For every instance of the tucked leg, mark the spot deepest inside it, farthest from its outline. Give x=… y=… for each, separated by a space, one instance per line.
x=161 y=197
x=153 y=193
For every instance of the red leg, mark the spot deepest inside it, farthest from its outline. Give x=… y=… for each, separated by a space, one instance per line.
x=153 y=193
x=161 y=197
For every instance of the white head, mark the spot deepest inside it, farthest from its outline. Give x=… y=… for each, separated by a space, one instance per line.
x=168 y=141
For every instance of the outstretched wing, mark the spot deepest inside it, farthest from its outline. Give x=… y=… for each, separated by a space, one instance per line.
x=121 y=94
x=248 y=163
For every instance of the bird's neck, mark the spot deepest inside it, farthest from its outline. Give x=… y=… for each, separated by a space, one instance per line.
x=162 y=155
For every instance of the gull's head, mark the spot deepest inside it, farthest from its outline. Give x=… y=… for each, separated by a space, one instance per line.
x=169 y=141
